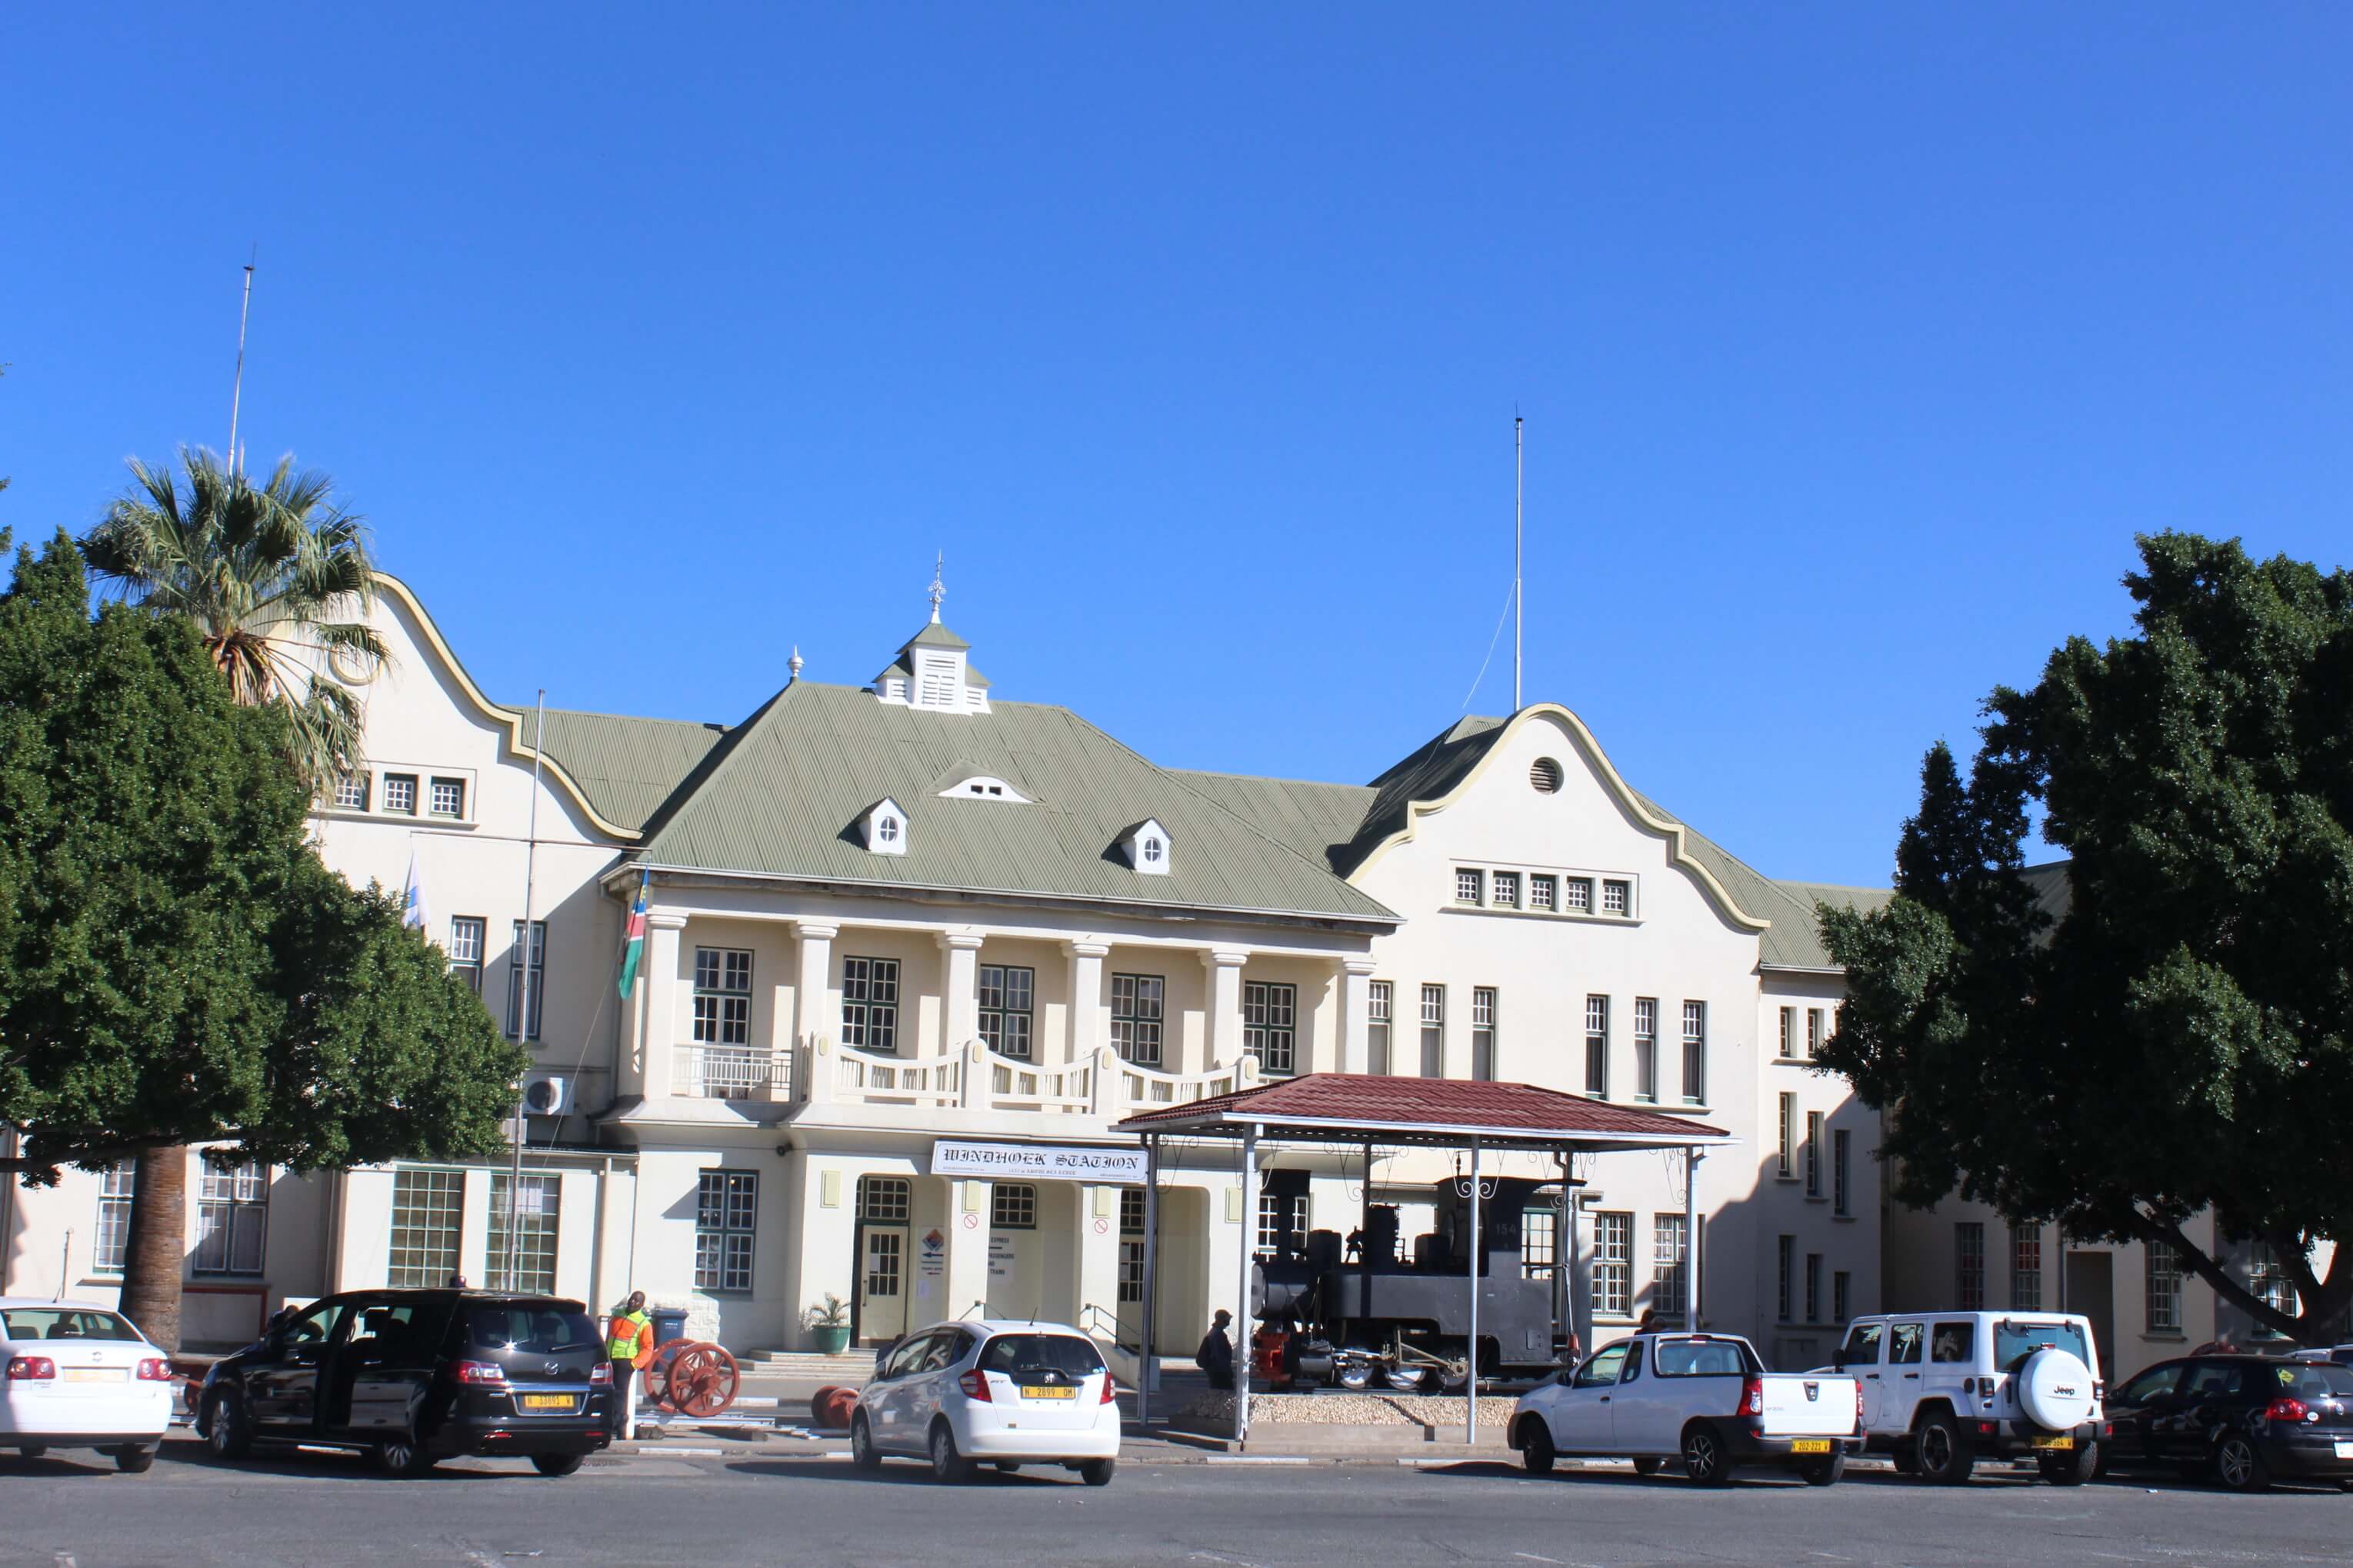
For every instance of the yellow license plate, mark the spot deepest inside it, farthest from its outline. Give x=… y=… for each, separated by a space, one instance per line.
x=1810 y=1446
x=1028 y=1393
x=547 y=1402
x=2054 y=1442
x=93 y=1374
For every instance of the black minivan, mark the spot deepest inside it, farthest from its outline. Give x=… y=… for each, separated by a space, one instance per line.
x=416 y=1376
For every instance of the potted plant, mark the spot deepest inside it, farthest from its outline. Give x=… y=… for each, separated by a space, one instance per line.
x=828 y=1324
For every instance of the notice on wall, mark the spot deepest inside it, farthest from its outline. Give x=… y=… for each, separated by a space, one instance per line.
x=930 y=1264
x=1035 y=1162
x=1000 y=1256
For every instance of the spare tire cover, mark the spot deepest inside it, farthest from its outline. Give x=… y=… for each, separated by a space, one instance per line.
x=2055 y=1389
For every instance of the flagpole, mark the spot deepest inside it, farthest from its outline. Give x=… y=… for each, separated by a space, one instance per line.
x=524 y=1030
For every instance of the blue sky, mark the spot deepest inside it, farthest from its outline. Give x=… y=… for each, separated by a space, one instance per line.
x=1855 y=345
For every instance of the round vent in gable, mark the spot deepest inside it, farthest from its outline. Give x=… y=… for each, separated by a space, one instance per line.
x=1544 y=776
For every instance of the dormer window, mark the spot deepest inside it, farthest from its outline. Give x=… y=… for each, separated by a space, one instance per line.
x=984 y=786
x=886 y=827
x=1149 y=848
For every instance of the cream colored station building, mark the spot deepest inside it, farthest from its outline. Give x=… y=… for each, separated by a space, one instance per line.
x=913 y=949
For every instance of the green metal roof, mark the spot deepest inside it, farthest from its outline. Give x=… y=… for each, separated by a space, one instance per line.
x=626 y=766
x=935 y=635
x=784 y=794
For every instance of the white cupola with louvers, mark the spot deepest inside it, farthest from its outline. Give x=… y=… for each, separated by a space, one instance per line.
x=933 y=670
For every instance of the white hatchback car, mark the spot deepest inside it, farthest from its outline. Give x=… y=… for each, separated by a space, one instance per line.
x=80 y=1376
x=1007 y=1394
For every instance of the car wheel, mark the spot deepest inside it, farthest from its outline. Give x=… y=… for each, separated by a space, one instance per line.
x=404 y=1456
x=226 y=1433
x=2070 y=1469
x=557 y=1464
x=1705 y=1460
x=863 y=1455
x=1944 y=1455
x=2239 y=1467
x=1097 y=1472
x=1007 y=1467
x=33 y=1451
x=1536 y=1452
x=948 y=1464
x=133 y=1459
x=1822 y=1472
x=1648 y=1465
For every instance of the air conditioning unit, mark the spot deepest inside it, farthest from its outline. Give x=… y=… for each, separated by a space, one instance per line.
x=548 y=1093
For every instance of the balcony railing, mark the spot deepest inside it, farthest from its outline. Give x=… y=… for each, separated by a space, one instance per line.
x=974 y=1078
x=724 y=1072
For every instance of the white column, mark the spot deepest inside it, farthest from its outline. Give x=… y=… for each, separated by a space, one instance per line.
x=1088 y=1011
x=1096 y=1249
x=964 y=1274
x=1356 y=1015
x=1225 y=967
x=1242 y=1330
x=1692 y=1157
x=815 y=1010
x=961 y=1011
x=662 y=1032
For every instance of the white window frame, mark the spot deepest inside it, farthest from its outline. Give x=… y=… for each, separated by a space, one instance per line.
x=352 y=792
x=2161 y=1290
x=395 y=786
x=538 y=1218
x=1504 y=889
x=870 y=1004
x=1139 y=1016
x=1271 y=1025
x=1814 y=1153
x=1969 y=1265
x=1433 y=1031
x=117 y=1186
x=1270 y=1217
x=1646 y=1049
x=1483 y=1033
x=1669 y=1252
x=1544 y=892
x=1786 y=1158
x=1469 y=886
x=1618 y=897
x=1008 y=1011
x=1013 y=1205
x=1613 y=1264
x=469 y=940
x=433 y=789
x=2025 y=1267
x=428 y=1215
x=1576 y=895
x=726 y=1229
x=1788 y=1034
x=232 y=1219
x=1380 y=1004
x=1695 y=1053
x=1816 y=1031
x=538 y=960
x=723 y=996
x=1596 y=1047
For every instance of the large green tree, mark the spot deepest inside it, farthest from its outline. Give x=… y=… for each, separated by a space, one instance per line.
x=2179 y=1038
x=176 y=966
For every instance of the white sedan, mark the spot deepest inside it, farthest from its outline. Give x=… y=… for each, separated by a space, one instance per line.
x=80 y=1376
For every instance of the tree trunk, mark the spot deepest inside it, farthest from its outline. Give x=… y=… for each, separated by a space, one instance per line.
x=157 y=1246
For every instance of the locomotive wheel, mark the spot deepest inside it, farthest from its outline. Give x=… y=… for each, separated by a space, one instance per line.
x=703 y=1380
x=1454 y=1377
x=1407 y=1379
x=1353 y=1375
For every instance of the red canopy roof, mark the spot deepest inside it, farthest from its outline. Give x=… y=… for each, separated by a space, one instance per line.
x=1355 y=1107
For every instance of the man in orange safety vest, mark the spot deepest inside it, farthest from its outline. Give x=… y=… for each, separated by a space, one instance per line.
x=629 y=1345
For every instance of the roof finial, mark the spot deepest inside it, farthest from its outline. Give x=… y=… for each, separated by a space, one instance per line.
x=794 y=663
x=939 y=589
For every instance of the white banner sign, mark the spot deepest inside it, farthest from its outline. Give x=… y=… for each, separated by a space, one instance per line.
x=1037 y=1162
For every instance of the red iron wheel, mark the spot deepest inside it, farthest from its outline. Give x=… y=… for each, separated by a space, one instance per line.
x=702 y=1381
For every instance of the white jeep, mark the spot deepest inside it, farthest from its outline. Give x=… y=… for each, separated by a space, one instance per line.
x=1941 y=1389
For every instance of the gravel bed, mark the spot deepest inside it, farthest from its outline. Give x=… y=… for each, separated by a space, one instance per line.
x=1351 y=1409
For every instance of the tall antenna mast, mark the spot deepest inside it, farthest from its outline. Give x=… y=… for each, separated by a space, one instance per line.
x=1519 y=610
x=236 y=390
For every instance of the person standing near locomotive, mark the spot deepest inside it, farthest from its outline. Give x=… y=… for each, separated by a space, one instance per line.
x=629 y=1345
x=1216 y=1356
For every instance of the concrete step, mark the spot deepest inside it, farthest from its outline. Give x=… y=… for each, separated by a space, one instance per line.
x=854 y=1366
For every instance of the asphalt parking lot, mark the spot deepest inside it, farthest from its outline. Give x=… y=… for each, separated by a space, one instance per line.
x=746 y=1508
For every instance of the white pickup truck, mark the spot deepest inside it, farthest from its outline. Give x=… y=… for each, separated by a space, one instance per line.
x=1704 y=1399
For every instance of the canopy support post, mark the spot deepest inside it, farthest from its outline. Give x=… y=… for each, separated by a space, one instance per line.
x=1146 y=1360
x=1471 y=1413
x=1243 y=1336
x=1692 y=1157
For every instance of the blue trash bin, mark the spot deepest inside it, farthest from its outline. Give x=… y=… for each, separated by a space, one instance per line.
x=670 y=1324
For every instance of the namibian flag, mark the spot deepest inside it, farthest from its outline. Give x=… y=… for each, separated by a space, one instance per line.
x=633 y=940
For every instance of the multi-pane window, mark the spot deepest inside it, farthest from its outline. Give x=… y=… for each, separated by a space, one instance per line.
x=1617 y=898
x=1969 y=1266
x=1646 y=1048
x=726 y=1211
x=1544 y=893
x=352 y=792
x=400 y=794
x=1842 y=1295
x=870 y=1004
x=1138 y=1006
x=1507 y=890
x=885 y=1200
x=886 y=1262
x=1470 y=885
x=232 y=1218
x=1613 y=1264
x=422 y=1251
x=1787 y=1154
x=1433 y=1031
x=1483 y=1033
x=1788 y=1032
x=534 y=1204
x=1271 y=1025
x=723 y=996
x=521 y=977
x=448 y=797
x=1130 y=1245
x=2164 y=1287
x=1813 y=1287
x=1281 y=1218
x=1814 y=1153
x=115 y=1185
x=2025 y=1267
x=1540 y=1236
x=1668 y=1256
x=1597 y=1046
x=1695 y=1053
x=1785 y=1254
x=1013 y=1205
x=1841 y=1180
x=1815 y=1022
x=469 y=934
x=1380 y=1004
x=1008 y=999
x=1576 y=895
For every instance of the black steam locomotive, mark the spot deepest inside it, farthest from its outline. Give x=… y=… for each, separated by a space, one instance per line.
x=1357 y=1310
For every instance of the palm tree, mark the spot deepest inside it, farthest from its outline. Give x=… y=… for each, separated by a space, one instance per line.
x=268 y=575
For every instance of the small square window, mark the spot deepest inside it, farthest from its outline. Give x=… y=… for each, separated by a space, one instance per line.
x=400 y=794
x=1507 y=890
x=449 y=797
x=1013 y=1205
x=1544 y=893
x=352 y=792
x=1469 y=884
x=1579 y=895
x=1616 y=898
